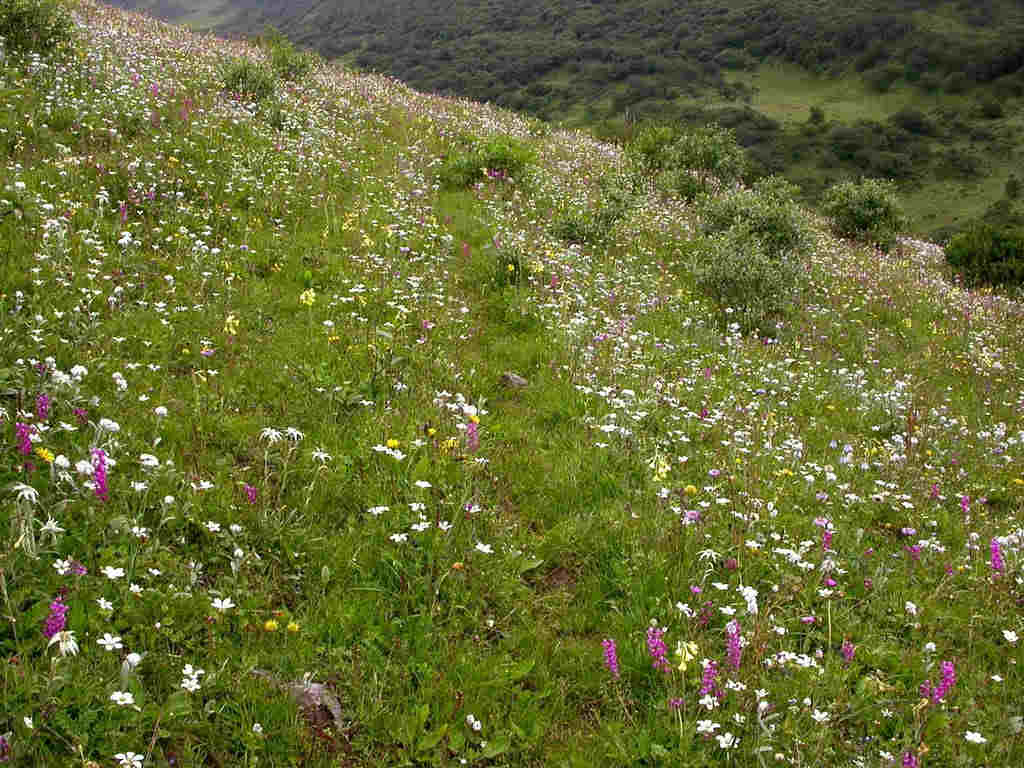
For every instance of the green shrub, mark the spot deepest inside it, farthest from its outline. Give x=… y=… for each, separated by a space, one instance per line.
x=751 y=284
x=34 y=25
x=985 y=255
x=768 y=211
x=710 y=151
x=247 y=78
x=868 y=210
x=684 y=163
x=498 y=157
x=648 y=148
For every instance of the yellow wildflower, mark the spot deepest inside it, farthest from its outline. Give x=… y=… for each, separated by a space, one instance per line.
x=45 y=454
x=293 y=626
x=686 y=652
x=270 y=625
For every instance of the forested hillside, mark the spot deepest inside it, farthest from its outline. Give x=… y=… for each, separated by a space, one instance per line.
x=914 y=90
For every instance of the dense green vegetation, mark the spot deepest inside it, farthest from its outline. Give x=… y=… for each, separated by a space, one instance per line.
x=343 y=424
x=924 y=92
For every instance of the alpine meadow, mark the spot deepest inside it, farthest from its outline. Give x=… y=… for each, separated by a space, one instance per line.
x=345 y=424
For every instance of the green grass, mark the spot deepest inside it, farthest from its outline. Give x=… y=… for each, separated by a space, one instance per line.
x=786 y=92
x=289 y=343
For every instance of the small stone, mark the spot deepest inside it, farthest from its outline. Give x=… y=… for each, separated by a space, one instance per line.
x=513 y=380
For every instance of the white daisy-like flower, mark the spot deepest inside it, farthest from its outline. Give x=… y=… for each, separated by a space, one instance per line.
x=222 y=604
x=111 y=572
x=974 y=737
x=727 y=740
x=122 y=698
x=110 y=642
x=129 y=760
x=487 y=549
x=1010 y=636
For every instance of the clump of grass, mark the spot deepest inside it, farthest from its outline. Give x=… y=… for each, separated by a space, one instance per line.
x=497 y=157
x=288 y=62
x=247 y=78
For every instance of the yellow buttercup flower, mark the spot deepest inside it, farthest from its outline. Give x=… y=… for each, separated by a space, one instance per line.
x=293 y=626
x=44 y=454
x=270 y=625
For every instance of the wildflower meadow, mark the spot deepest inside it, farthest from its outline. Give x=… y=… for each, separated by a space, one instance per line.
x=346 y=425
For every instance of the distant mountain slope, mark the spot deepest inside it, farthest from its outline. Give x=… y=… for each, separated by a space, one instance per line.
x=920 y=91
x=501 y=49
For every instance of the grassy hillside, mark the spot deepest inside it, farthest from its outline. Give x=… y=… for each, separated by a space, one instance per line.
x=760 y=66
x=271 y=494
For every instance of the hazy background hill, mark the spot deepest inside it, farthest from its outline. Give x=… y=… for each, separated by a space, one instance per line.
x=922 y=91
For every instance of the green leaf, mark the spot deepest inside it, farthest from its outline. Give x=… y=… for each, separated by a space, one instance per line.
x=430 y=739
x=178 y=703
x=521 y=670
x=530 y=565
x=496 y=746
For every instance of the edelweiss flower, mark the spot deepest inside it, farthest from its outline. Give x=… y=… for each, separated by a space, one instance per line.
x=271 y=435
x=25 y=493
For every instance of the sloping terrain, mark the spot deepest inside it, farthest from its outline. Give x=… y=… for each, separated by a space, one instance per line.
x=925 y=92
x=272 y=496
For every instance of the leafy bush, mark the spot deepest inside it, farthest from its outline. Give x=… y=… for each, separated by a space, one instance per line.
x=768 y=211
x=868 y=210
x=985 y=255
x=710 y=151
x=247 y=78
x=685 y=162
x=746 y=278
x=649 y=145
x=34 y=25
x=498 y=157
